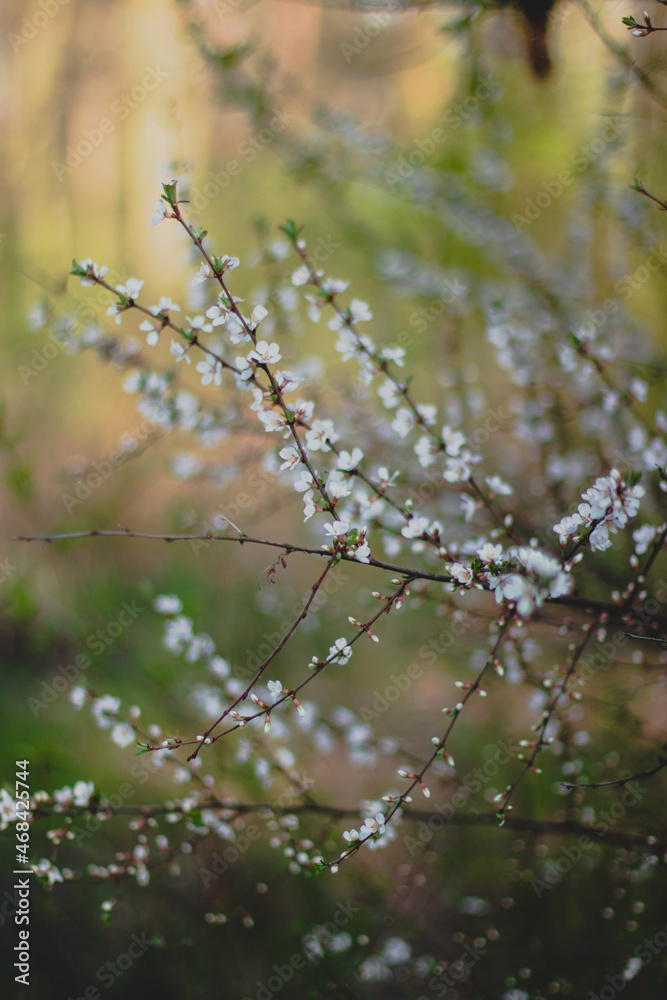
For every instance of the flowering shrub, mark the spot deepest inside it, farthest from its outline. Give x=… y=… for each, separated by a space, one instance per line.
x=502 y=516
x=470 y=546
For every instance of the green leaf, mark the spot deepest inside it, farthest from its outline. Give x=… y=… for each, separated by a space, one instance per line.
x=291 y=230
x=170 y=195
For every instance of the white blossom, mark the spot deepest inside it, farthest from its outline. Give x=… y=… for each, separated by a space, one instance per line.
x=301 y=275
x=360 y=312
x=372 y=825
x=272 y=421
x=122 y=734
x=211 y=370
x=453 y=440
x=337 y=529
x=82 y=792
x=168 y=604
x=350 y=460
x=290 y=456
x=165 y=305
x=265 y=353
x=202 y=274
x=199 y=324
x=257 y=315
x=415 y=527
x=403 y=422
x=104 y=710
x=490 y=553
x=304 y=481
x=159 y=213
x=396 y=951
x=610 y=502
x=78 y=696
x=321 y=434
x=643 y=537
x=131 y=289
x=426 y=450
x=499 y=486
x=389 y=394
x=337 y=487
x=98 y=270
x=217 y=314
x=179 y=352
x=340 y=651
x=462 y=574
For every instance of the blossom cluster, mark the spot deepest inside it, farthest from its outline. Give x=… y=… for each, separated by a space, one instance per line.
x=608 y=505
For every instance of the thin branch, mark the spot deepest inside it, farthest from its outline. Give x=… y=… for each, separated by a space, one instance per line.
x=623 y=55
x=244 y=694
x=610 y=608
x=418 y=779
x=287 y=547
x=649 y=638
x=640 y=189
x=662 y=763
x=545 y=826
x=546 y=719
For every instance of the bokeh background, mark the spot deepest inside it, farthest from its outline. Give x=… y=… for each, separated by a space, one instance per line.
x=184 y=89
